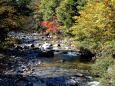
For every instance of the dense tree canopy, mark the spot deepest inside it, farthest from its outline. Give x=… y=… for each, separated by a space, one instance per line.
x=95 y=23
x=12 y=16
x=63 y=9
x=81 y=4
x=47 y=8
x=66 y=10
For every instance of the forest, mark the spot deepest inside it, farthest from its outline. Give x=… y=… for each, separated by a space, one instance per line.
x=88 y=25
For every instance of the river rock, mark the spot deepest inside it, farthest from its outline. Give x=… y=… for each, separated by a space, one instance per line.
x=72 y=82
x=35 y=34
x=86 y=54
x=1 y=56
x=93 y=83
x=46 y=46
x=56 y=46
x=19 y=48
x=32 y=46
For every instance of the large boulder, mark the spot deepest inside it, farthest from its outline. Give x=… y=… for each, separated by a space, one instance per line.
x=86 y=54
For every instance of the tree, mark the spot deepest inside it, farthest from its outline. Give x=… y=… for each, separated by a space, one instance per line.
x=51 y=26
x=6 y=20
x=44 y=10
x=81 y=4
x=95 y=25
x=47 y=8
x=37 y=17
x=11 y=17
x=64 y=12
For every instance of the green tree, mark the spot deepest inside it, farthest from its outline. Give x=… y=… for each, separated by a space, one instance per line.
x=47 y=8
x=64 y=12
x=81 y=4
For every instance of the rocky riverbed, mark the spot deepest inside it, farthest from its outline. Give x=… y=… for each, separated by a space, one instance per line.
x=42 y=61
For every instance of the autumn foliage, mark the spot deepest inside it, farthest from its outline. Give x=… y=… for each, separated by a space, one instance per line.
x=95 y=25
x=36 y=5
x=51 y=26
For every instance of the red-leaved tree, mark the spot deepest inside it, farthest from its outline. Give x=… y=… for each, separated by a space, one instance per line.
x=51 y=26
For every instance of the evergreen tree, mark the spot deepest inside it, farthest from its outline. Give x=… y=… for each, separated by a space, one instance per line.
x=64 y=12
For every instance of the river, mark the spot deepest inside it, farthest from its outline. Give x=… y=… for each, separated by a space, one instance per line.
x=31 y=68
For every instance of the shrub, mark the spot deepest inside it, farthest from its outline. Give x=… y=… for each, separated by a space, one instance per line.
x=104 y=68
x=109 y=78
x=101 y=66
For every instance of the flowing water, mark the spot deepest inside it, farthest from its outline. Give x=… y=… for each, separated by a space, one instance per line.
x=62 y=69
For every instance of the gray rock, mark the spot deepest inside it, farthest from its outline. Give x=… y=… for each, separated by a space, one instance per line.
x=46 y=46
x=71 y=82
x=1 y=56
x=93 y=83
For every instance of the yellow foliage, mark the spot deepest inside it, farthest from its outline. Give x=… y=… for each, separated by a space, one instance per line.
x=96 y=23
